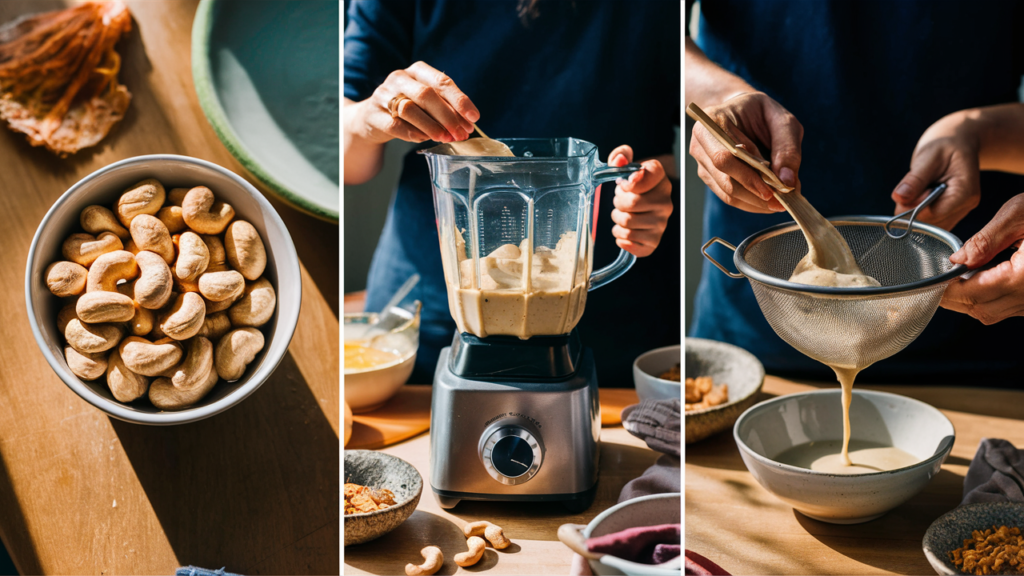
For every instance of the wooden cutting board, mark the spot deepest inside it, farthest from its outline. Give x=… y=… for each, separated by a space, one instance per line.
x=407 y=414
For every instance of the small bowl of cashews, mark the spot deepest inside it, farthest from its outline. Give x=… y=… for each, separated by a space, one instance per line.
x=163 y=289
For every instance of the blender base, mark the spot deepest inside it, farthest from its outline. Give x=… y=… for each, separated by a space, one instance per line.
x=574 y=503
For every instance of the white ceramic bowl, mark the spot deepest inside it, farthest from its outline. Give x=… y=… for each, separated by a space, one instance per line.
x=368 y=389
x=648 y=366
x=103 y=187
x=772 y=427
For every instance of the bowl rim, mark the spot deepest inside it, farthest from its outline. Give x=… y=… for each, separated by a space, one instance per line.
x=188 y=415
x=636 y=363
x=413 y=498
x=622 y=564
x=209 y=101
x=927 y=541
x=767 y=404
x=745 y=397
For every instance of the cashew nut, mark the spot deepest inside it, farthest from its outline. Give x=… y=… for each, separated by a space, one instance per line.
x=203 y=213
x=144 y=197
x=142 y=323
x=218 y=256
x=131 y=247
x=124 y=384
x=256 y=306
x=109 y=269
x=92 y=338
x=433 y=557
x=221 y=286
x=194 y=370
x=149 y=233
x=66 y=278
x=96 y=219
x=245 y=249
x=165 y=396
x=149 y=358
x=215 y=326
x=476 y=552
x=86 y=366
x=153 y=288
x=84 y=249
x=235 y=351
x=193 y=257
x=66 y=314
x=175 y=196
x=491 y=532
x=171 y=217
x=184 y=318
x=100 y=306
x=223 y=305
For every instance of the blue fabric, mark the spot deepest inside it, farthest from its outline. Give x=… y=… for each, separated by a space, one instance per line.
x=865 y=79
x=606 y=72
x=197 y=571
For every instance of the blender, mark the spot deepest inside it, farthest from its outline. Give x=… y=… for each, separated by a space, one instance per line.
x=514 y=412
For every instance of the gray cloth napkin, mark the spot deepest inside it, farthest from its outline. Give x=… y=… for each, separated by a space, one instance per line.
x=657 y=423
x=996 y=474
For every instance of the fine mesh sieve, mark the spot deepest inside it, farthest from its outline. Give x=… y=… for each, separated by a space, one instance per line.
x=849 y=327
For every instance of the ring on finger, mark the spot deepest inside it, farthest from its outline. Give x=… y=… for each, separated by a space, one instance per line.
x=395 y=102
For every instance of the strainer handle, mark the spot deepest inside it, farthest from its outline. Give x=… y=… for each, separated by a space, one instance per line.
x=717 y=240
x=935 y=193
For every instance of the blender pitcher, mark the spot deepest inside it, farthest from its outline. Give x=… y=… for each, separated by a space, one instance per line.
x=517 y=235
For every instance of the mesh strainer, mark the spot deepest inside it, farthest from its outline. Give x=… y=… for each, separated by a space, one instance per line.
x=849 y=327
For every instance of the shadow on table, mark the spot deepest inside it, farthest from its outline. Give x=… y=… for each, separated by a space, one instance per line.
x=898 y=534
x=241 y=487
x=390 y=553
x=18 y=539
x=718 y=451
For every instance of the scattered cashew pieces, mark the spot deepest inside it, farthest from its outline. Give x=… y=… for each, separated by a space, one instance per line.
x=97 y=219
x=235 y=351
x=144 y=197
x=84 y=365
x=476 y=546
x=65 y=278
x=492 y=532
x=256 y=306
x=433 y=559
x=245 y=250
x=203 y=213
x=149 y=233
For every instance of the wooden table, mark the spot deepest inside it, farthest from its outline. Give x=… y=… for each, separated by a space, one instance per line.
x=532 y=527
x=254 y=489
x=736 y=523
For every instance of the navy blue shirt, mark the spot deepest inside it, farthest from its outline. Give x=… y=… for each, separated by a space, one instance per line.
x=606 y=72
x=865 y=79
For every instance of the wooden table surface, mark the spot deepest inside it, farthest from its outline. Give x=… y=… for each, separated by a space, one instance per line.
x=254 y=489
x=532 y=527
x=736 y=523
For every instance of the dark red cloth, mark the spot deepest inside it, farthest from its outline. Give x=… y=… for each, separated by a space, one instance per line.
x=697 y=565
x=639 y=544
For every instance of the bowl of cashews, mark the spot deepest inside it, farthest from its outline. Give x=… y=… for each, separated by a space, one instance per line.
x=163 y=289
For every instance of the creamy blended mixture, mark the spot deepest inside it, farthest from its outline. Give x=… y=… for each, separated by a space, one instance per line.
x=807 y=272
x=867 y=457
x=359 y=357
x=519 y=291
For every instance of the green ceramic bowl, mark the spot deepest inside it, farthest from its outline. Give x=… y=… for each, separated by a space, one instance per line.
x=267 y=77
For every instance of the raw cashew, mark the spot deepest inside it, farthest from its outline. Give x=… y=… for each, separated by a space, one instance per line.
x=220 y=286
x=433 y=561
x=183 y=286
x=153 y=288
x=109 y=269
x=203 y=213
x=142 y=323
x=149 y=358
x=66 y=314
x=84 y=249
x=491 y=532
x=92 y=338
x=245 y=249
x=215 y=326
x=171 y=217
x=96 y=307
x=124 y=384
x=165 y=396
x=195 y=369
x=66 y=278
x=175 y=196
x=184 y=318
x=218 y=256
x=476 y=552
x=193 y=257
x=145 y=197
x=256 y=306
x=235 y=351
x=149 y=233
x=223 y=305
x=131 y=246
x=86 y=366
x=96 y=219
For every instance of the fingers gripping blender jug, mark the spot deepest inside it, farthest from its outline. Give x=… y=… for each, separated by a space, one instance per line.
x=515 y=413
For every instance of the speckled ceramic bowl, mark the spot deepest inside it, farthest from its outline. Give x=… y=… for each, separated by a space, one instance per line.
x=726 y=364
x=380 y=470
x=772 y=427
x=952 y=528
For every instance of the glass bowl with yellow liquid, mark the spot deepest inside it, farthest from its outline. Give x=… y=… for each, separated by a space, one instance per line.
x=378 y=364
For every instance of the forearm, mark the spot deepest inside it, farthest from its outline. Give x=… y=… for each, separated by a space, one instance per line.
x=363 y=156
x=1001 y=141
x=707 y=83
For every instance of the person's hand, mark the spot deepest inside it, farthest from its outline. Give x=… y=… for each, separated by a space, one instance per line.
x=947 y=152
x=643 y=203
x=433 y=108
x=997 y=293
x=748 y=117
